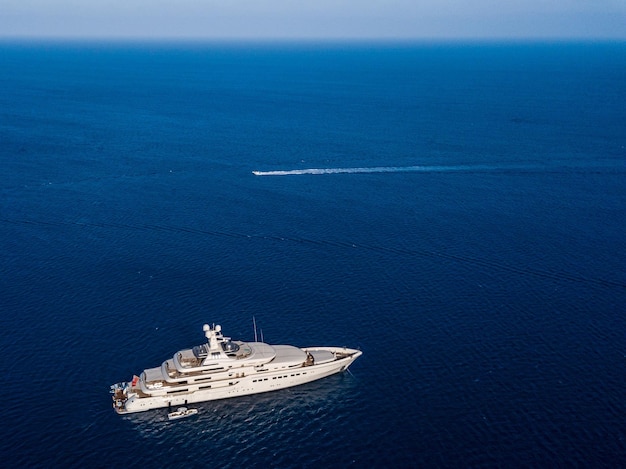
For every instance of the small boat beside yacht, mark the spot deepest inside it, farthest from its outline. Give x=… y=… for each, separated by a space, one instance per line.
x=181 y=413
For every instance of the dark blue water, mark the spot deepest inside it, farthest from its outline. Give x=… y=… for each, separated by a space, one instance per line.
x=482 y=271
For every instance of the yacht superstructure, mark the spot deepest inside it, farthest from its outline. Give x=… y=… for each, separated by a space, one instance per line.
x=223 y=368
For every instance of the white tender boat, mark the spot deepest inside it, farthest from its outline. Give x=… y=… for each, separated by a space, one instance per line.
x=223 y=368
x=181 y=412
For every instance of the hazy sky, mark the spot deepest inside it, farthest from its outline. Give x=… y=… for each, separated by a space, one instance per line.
x=331 y=19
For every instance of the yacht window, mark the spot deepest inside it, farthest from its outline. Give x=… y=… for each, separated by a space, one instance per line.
x=230 y=347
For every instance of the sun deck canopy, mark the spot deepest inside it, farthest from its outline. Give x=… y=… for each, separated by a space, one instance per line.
x=288 y=355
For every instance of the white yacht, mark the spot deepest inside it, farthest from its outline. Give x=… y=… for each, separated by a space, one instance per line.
x=222 y=368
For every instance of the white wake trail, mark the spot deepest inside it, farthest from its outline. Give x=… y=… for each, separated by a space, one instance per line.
x=375 y=169
x=553 y=167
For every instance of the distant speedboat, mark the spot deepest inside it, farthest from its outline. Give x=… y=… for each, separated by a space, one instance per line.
x=222 y=368
x=181 y=413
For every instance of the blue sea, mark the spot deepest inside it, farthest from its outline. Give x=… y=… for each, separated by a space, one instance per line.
x=455 y=210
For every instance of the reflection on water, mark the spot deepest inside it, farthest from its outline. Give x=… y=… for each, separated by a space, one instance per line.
x=256 y=416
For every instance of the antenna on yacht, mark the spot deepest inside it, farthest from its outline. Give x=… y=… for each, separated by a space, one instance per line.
x=254 y=323
x=261 y=335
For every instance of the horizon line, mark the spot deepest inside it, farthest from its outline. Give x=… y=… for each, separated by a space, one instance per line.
x=307 y=39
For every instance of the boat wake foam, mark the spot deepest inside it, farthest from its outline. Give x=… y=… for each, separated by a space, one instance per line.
x=500 y=168
x=375 y=169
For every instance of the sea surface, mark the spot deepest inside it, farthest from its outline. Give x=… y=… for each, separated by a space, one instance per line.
x=456 y=211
